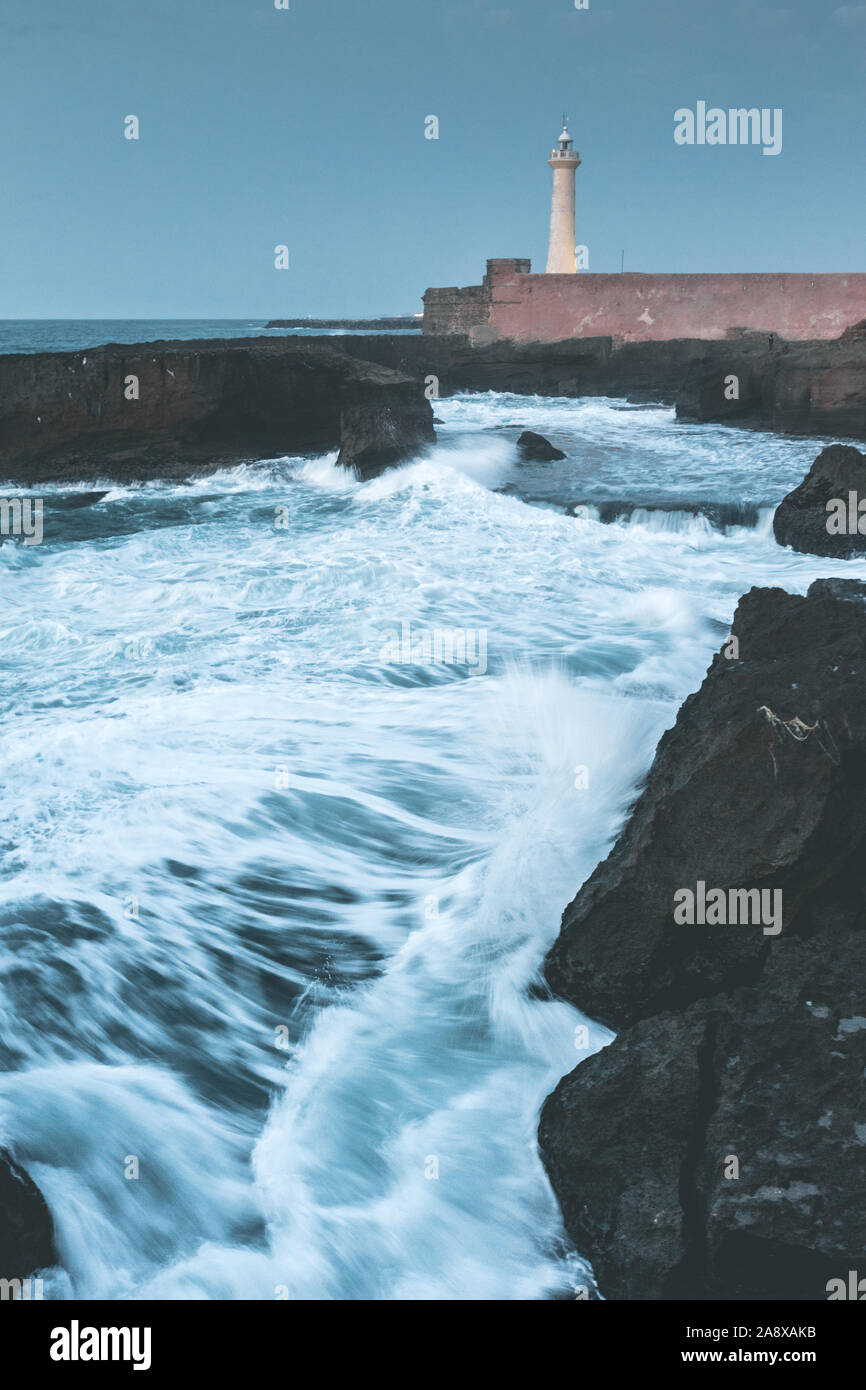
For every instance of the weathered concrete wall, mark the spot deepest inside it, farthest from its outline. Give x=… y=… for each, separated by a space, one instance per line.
x=467 y=310
x=648 y=308
x=456 y=311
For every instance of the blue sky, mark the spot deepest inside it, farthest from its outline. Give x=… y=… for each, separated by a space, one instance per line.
x=305 y=127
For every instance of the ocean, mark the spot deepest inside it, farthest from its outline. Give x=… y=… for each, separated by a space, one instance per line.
x=299 y=775
x=69 y=335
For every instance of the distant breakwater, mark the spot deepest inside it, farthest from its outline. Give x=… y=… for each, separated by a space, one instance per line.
x=398 y=323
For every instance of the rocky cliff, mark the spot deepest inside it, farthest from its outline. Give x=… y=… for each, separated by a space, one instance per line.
x=795 y=388
x=578 y=367
x=717 y=1148
x=755 y=381
x=168 y=409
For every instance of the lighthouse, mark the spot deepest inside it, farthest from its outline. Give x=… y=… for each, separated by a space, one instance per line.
x=561 y=258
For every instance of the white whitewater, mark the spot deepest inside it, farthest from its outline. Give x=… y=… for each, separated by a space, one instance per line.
x=274 y=908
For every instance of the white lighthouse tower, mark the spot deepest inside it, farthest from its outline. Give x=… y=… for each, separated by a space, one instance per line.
x=561 y=257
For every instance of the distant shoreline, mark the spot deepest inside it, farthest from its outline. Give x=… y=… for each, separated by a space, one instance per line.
x=386 y=325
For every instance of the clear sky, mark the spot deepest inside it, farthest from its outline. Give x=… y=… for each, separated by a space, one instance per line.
x=305 y=127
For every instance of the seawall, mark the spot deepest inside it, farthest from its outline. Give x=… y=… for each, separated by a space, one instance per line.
x=511 y=303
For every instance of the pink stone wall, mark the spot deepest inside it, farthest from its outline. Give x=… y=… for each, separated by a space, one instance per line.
x=637 y=308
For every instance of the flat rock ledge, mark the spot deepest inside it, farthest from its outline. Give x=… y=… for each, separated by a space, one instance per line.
x=171 y=409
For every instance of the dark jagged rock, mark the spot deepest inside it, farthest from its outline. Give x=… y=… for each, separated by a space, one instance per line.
x=734 y=1044
x=26 y=1230
x=733 y=798
x=536 y=448
x=850 y=590
x=802 y=518
x=380 y=427
x=639 y=1138
x=200 y=405
x=614 y=1148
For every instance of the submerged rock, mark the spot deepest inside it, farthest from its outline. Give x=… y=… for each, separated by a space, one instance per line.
x=26 y=1230
x=536 y=448
x=716 y=1148
x=820 y=516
